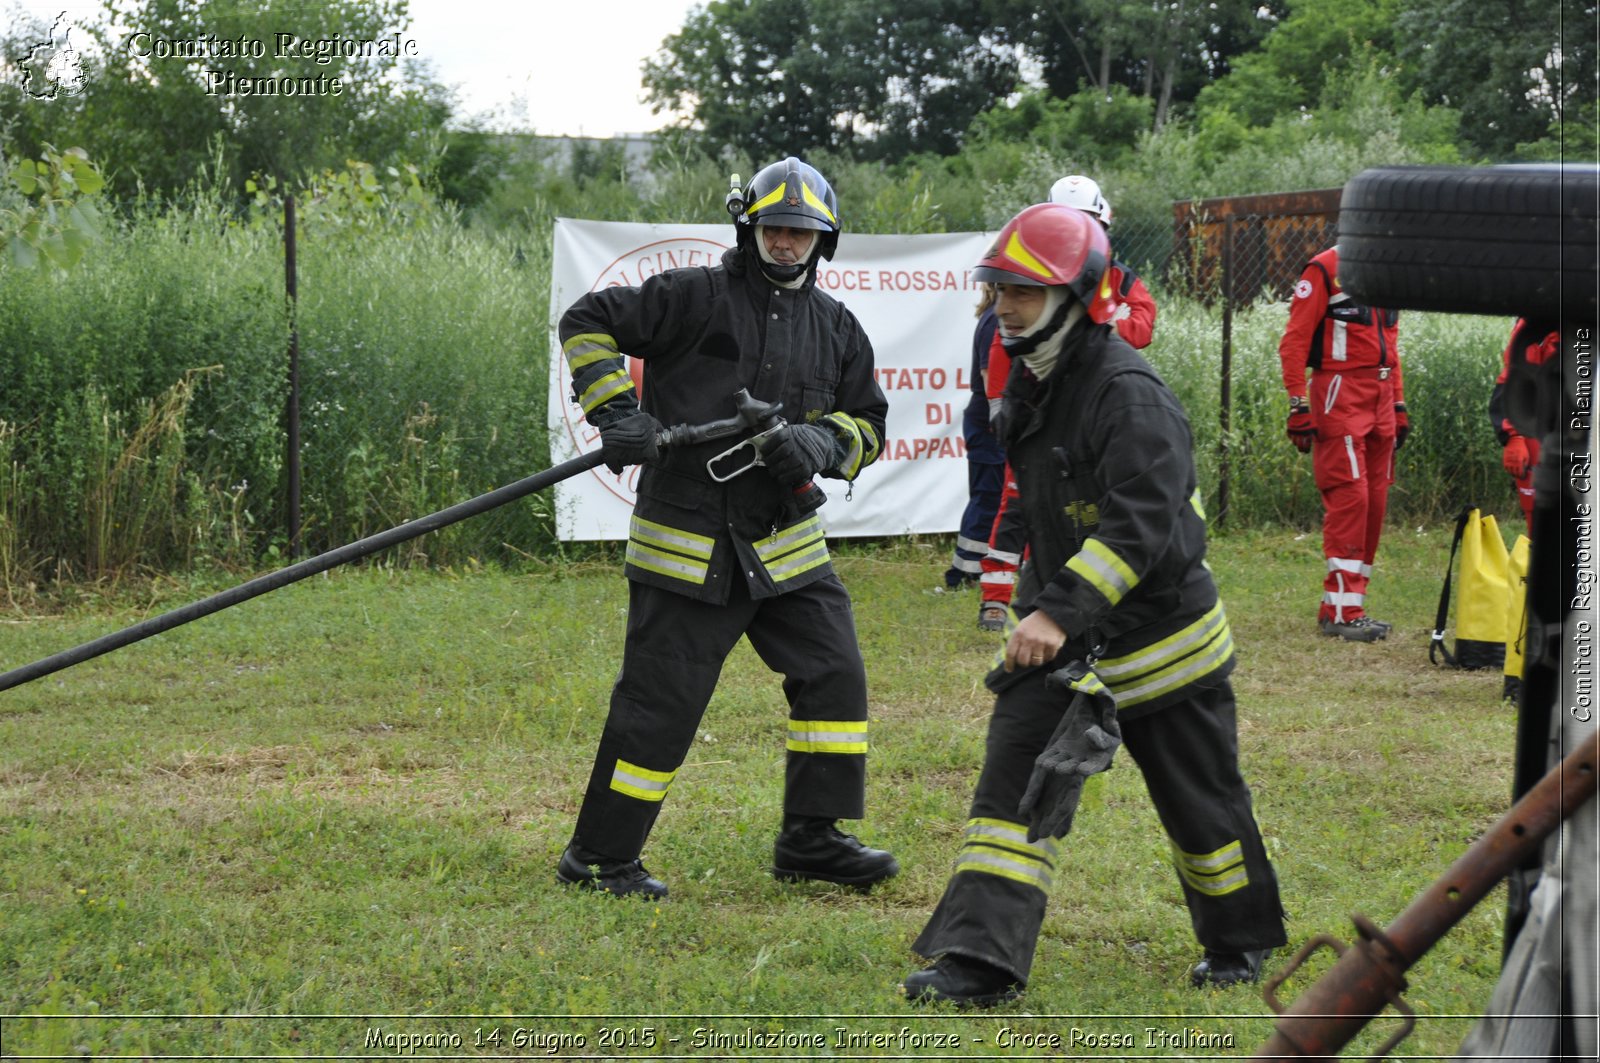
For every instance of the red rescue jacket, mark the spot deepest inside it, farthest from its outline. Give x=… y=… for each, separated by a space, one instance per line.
x=1329 y=332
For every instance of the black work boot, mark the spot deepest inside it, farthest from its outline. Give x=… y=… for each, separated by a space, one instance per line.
x=618 y=878
x=962 y=981
x=811 y=848
x=1361 y=629
x=1223 y=969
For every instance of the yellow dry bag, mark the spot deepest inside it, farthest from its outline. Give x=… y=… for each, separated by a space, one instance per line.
x=1481 y=607
x=1516 y=618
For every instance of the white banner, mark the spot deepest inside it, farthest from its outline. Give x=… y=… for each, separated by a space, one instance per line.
x=914 y=296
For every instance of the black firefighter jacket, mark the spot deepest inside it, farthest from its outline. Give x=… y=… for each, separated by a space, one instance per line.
x=703 y=333
x=1104 y=464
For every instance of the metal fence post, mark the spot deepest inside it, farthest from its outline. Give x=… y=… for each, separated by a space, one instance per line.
x=292 y=414
x=1225 y=398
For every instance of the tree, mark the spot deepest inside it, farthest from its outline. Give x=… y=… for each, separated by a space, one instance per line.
x=875 y=78
x=1511 y=67
x=1096 y=128
x=1164 y=50
x=1315 y=42
x=276 y=87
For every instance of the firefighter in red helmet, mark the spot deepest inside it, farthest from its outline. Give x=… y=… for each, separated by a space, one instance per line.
x=1123 y=301
x=1122 y=639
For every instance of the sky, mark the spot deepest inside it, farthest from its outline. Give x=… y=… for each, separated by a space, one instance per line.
x=555 y=68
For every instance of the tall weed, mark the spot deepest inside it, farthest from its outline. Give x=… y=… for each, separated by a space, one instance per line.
x=438 y=317
x=132 y=481
x=1450 y=459
x=423 y=361
x=16 y=498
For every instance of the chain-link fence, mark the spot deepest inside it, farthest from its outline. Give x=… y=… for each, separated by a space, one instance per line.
x=1222 y=272
x=423 y=360
x=1236 y=252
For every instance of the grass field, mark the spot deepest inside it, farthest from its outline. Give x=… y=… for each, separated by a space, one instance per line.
x=327 y=820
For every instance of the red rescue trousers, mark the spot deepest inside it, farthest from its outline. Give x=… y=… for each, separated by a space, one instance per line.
x=1353 y=458
x=1524 y=484
x=1007 y=546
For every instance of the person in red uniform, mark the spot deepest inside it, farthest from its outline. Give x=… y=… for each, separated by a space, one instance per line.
x=1341 y=367
x=1531 y=342
x=1121 y=300
x=986 y=459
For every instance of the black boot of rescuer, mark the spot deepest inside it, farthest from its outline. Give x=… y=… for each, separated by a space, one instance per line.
x=815 y=849
x=964 y=982
x=1222 y=969
x=618 y=878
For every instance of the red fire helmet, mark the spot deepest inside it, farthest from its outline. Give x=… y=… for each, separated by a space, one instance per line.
x=1048 y=244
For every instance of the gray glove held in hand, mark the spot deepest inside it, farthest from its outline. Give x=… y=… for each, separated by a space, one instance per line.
x=630 y=440
x=1084 y=742
x=797 y=452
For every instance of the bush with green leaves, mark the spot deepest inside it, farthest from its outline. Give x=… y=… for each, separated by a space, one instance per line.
x=47 y=214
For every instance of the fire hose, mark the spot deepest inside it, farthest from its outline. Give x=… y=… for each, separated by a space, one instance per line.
x=1370 y=973
x=749 y=414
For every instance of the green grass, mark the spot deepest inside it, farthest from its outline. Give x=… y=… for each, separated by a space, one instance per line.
x=347 y=798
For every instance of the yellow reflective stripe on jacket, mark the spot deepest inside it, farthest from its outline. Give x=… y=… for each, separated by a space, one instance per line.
x=1198 y=503
x=861 y=443
x=1215 y=874
x=643 y=783
x=1090 y=684
x=1105 y=571
x=828 y=736
x=586 y=348
x=1000 y=848
x=1175 y=661
x=794 y=550
x=668 y=551
x=604 y=389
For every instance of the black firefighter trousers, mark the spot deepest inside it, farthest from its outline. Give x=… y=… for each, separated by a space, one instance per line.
x=994 y=905
x=673 y=654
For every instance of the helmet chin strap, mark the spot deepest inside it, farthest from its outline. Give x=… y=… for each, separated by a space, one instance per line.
x=783 y=274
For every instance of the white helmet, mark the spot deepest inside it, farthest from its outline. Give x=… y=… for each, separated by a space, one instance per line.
x=1081 y=192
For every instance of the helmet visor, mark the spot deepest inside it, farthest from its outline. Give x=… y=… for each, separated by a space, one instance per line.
x=995 y=275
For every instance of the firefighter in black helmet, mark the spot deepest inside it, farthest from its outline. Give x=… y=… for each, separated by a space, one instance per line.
x=708 y=561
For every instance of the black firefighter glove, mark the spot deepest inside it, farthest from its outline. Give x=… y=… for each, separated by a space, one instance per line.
x=630 y=440
x=1083 y=744
x=797 y=452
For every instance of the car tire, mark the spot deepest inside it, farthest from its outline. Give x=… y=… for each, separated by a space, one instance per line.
x=1508 y=240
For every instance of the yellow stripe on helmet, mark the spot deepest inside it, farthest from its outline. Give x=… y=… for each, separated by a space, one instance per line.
x=775 y=196
x=1017 y=253
x=812 y=200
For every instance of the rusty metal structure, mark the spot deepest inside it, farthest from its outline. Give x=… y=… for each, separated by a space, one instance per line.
x=1242 y=248
x=1235 y=251
x=1370 y=974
